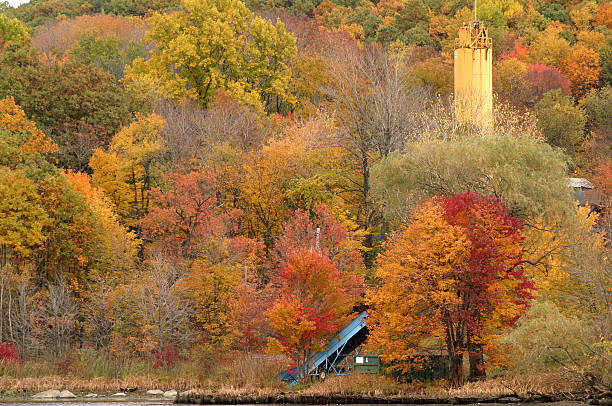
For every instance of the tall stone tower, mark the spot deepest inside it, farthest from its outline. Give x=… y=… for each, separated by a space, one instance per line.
x=473 y=79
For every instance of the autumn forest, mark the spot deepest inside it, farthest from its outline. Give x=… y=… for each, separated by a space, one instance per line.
x=202 y=193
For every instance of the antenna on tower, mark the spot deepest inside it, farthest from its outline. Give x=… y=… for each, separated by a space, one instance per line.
x=475 y=18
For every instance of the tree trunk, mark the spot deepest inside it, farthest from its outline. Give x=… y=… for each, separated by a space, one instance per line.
x=369 y=238
x=477 y=371
x=455 y=369
x=1 y=304
x=455 y=345
x=10 y=315
x=135 y=189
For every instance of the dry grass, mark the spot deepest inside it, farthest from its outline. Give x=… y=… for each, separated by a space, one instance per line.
x=358 y=384
x=72 y=383
x=523 y=385
x=95 y=375
x=97 y=384
x=375 y=387
x=249 y=375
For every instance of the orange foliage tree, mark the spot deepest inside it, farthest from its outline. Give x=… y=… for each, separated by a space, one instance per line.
x=604 y=15
x=582 y=69
x=454 y=274
x=114 y=247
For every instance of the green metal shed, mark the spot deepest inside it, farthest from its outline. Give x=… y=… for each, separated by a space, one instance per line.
x=366 y=364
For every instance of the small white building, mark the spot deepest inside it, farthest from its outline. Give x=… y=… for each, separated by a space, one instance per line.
x=585 y=193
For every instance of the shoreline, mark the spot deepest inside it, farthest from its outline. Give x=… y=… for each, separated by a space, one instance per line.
x=288 y=398
x=10 y=401
x=307 y=399
x=357 y=389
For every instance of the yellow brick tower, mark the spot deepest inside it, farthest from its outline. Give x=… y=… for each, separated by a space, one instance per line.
x=473 y=79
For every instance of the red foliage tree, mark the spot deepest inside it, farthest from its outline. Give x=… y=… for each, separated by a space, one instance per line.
x=519 y=51
x=312 y=303
x=319 y=232
x=541 y=78
x=495 y=255
x=186 y=214
x=187 y=221
x=251 y=303
x=167 y=357
x=454 y=274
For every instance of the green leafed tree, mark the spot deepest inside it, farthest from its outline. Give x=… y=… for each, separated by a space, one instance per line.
x=562 y=122
x=597 y=106
x=79 y=106
x=12 y=31
x=109 y=54
x=218 y=44
x=527 y=174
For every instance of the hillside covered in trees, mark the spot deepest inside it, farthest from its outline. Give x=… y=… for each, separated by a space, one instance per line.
x=201 y=193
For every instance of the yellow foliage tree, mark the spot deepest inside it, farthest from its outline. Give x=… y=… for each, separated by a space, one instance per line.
x=283 y=170
x=217 y=285
x=591 y=39
x=22 y=217
x=108 y=176
x=308 y=76
x=218 y=44
x=115 y=248
x=549 y=247
x=12 y=31
x=549 y=48
x=129 y=170
x=583 y=17
x=25 y=154
x=14 y=120
x=509 y=80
